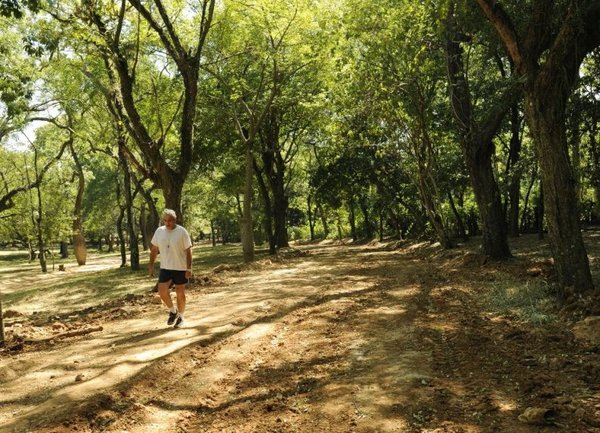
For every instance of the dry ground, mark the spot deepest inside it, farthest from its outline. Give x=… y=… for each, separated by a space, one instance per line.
x=375 y=338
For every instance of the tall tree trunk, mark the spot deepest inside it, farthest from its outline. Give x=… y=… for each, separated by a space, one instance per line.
x=323 y=217
x=64 y=250
x=134 y=252
x=561 y=205
x=380 y=215
x=247 y=222
x=108 y=238
x=431 y=209
x=462 y=231
x=36 y=212
x=352 y=219
x=478 y=148
x=515 y=173
x=79 y=247
x=274 y=170
x=172 y=192
x=525 y=212
x=142 y=223
x=280 y=207
x=121 y=236
x=151 y=219
x=311 y=217
x=491 y=215
x=213 y=234
x=40 y=237
x=368 y=225
x=539 y=214
x=267 y=207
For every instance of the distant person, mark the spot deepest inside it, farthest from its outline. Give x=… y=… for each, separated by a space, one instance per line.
x=174 y=245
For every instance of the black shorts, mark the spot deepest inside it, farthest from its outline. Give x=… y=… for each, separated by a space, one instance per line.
x=178 y=277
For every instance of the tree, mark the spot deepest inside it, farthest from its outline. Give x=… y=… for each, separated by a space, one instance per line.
x=160 y=160
x=547 y=49
x=251 y=70
x=476 y=132
x=402 y=78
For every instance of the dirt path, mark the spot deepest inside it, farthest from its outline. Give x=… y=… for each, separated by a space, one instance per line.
x=359 y=339
x=286 y=322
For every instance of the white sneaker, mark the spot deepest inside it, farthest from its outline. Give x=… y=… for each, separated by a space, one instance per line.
x=179 y=322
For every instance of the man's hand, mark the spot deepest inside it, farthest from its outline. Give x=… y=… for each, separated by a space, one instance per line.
x=188 y=274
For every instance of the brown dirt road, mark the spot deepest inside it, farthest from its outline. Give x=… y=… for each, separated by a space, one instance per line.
x=341 y=339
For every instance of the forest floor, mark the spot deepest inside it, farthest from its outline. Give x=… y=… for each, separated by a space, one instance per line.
x=380 y=337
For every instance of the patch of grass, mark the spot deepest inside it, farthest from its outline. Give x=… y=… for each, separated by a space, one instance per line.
x=206 y=257
x=530 y=302
x=71 y=291
x=11 y=256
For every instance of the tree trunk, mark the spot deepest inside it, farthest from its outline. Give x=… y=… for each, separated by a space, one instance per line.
x=110 y=242
x=324 y=222
x=213 y=234
x=267 y=208
x=280 y=206
x=134 y=252
x=172 y=192
x=381 y=215
x=368 y=225
x=40 y=236
x=64 y=250
x=491 y=215
x=525 y=211
x=515 y=173
x=79 y=247
x=311 y=220
x=547 y=125
x=274 y=170
x=431 y=209
x=539 y=214
x=151 y=220
x=352 y=220
x=121 y=237
x=478 y=148
x=247 y=223
x=142 y=222
x=30 y=244
x=36 y=214
x=462 y=231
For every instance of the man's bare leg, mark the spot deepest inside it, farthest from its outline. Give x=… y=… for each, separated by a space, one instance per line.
x=180 y=291
x=163 y=292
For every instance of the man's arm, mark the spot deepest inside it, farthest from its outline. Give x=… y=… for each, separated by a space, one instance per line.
x=153 y=254
x=188 y=260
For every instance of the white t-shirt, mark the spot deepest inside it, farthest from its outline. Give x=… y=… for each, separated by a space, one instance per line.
x=172 y=246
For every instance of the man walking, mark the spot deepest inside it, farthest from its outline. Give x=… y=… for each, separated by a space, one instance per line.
x=174 y=245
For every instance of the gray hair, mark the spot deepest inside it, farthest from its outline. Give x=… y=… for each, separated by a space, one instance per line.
x=169 y=212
